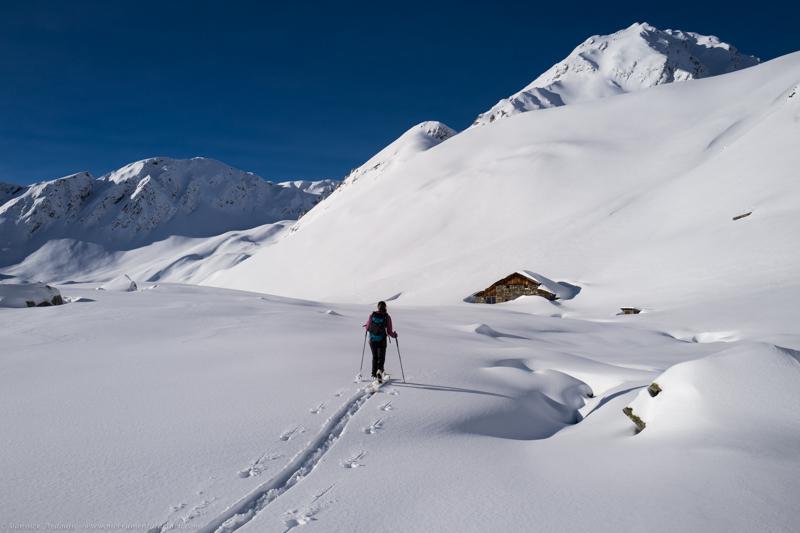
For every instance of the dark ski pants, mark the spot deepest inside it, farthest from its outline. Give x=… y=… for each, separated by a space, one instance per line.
x=378 y=355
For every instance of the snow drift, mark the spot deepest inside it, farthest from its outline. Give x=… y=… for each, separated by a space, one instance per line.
x=749 y=389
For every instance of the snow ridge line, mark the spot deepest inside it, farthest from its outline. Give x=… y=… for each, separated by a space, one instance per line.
x=298 y=468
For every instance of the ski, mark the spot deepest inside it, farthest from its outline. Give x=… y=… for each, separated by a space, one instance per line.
x=377 y=383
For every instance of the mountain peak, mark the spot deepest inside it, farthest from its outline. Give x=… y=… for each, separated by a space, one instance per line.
x=635 y=58
x=418 y=138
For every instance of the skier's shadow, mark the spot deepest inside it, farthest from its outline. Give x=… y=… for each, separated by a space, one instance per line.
x=446 y=388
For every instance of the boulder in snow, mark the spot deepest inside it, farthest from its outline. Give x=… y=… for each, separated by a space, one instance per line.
x=34 y=294
x=122 y=283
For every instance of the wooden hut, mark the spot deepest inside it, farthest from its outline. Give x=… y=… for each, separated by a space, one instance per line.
x=511 y=287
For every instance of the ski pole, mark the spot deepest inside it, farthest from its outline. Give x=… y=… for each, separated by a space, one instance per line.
x=364 y=349
x=397 y=344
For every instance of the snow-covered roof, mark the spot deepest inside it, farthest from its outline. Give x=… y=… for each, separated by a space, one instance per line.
x=563 y=291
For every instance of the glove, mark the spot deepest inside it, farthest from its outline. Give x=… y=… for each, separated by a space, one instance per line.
x=395 y=335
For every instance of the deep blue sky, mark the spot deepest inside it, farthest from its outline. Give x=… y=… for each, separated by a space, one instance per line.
x=294 y=89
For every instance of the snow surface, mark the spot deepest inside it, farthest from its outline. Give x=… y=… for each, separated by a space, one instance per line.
x=184 y=407
x=638 y=57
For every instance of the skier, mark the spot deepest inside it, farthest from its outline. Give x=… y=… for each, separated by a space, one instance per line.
x=379 y=325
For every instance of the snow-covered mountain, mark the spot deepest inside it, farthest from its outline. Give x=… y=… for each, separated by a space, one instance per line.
x=636 y=58
x=144 y=202
x=631 y=198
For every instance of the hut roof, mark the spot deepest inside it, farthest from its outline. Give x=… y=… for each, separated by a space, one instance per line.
x=563 y=291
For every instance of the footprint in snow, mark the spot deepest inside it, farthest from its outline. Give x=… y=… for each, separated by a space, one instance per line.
x=386 y=407
x=259 y=465
x=318 y=409
x=198 y=510
x=374 y=427
x=297 y=517
x=354 y=462
x=291 y=433
x=392 y=392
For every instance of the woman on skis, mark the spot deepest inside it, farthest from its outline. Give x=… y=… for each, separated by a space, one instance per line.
x=379 y=325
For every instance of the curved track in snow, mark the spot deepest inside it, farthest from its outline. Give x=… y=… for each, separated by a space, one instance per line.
x=298 y=468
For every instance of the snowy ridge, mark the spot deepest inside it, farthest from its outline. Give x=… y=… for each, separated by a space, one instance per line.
x=636 y=58
x=147 y=201
x=321 y=188
x=413 y=142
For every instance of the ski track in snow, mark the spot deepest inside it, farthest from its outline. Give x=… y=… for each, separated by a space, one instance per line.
x=247 y=508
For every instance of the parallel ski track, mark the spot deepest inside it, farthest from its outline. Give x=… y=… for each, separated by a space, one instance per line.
x=298 y=468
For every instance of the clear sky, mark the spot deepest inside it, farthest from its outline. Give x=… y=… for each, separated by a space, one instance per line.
x=292 y=89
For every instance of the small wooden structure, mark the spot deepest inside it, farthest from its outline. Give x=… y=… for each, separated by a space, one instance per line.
x=511 y=287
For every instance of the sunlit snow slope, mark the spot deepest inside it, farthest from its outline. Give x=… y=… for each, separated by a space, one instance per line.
x=631 y=198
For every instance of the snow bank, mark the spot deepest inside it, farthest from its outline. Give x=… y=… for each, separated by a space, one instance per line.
x=750 y=388
x=122 y=283
x=35 y=294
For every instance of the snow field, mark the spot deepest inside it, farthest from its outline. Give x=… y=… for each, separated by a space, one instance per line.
x=191 y=407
